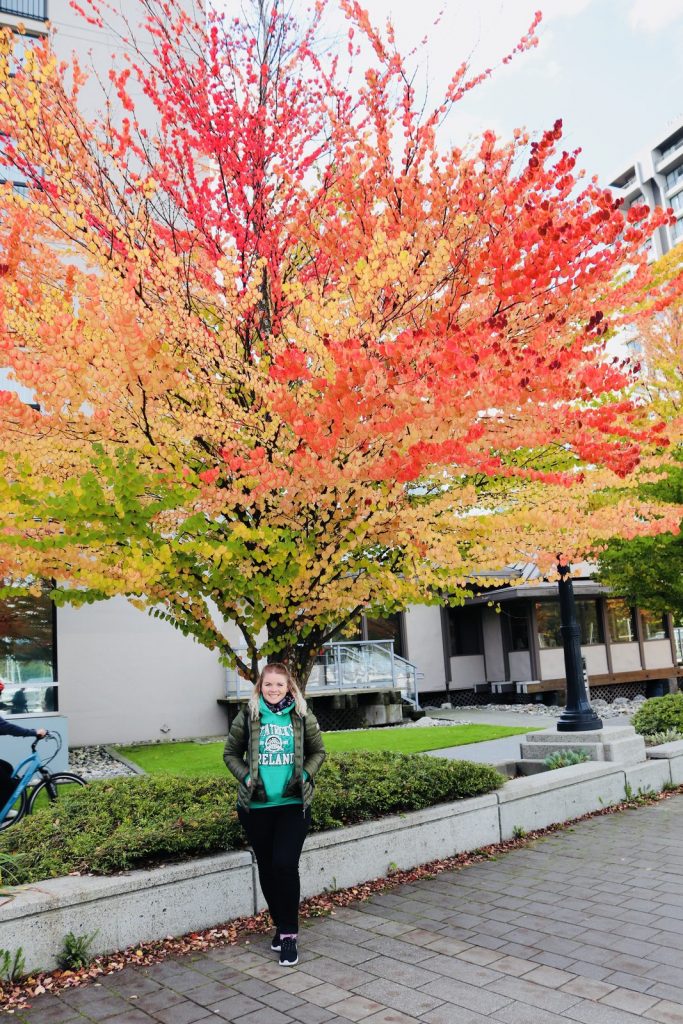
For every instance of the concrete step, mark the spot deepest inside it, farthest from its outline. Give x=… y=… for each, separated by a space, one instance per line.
x=532 y=751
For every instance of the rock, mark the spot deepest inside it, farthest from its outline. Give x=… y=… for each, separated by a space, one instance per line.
x=96 y=763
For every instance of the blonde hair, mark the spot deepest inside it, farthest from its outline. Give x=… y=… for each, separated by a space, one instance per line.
x=292 y=687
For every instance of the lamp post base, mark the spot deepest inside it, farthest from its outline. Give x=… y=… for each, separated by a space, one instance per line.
x=579 y=720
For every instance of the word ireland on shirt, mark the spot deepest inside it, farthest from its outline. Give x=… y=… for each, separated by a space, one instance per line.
x=276 y=745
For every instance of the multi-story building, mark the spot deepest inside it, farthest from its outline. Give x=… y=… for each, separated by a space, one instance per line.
x=655 y=177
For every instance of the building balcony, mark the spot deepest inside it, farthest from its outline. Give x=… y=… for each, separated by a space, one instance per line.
x=35 y=10
x=670 y=158
x=630 y=189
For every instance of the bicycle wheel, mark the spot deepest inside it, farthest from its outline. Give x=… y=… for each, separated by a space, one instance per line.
x=16 y=811
x=63 y=783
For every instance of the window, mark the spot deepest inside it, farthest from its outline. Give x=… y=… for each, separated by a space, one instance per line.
x=673 y=177
x=655 y=625
x=516 y=615
x=36 y=9
x=464 y=630
x=548 y=622
x=621 y=621
x=27 y=655
x=388 y=628
x=677 y=229
x=678 y=638
x=671 y=147
x=677 y=201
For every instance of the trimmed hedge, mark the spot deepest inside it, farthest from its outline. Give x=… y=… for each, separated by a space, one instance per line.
x=124 y=823
x=659 y=714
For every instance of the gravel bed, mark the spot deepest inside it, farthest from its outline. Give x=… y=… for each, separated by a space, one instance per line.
x=96 y=763
x=619 y=707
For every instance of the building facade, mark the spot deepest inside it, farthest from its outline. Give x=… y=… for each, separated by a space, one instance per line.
x=655 y=178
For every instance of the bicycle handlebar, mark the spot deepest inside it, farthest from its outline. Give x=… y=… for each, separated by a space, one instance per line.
x=47 y=736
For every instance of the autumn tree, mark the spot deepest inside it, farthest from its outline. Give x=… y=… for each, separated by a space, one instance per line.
x=292 y=356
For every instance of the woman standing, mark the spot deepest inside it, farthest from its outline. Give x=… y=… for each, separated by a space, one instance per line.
x=283 y=746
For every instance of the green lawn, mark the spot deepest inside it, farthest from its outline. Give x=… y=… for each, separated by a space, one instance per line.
x=195 y=759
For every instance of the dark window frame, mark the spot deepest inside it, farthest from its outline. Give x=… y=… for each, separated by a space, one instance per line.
x=475 y=647
x=580 y=601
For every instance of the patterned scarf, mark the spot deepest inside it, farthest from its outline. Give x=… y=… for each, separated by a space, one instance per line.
x=286 y=702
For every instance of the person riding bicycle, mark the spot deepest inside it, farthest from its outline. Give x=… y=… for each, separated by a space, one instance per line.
x=6 y=769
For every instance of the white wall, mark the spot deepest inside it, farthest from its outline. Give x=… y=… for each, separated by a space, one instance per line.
x=124 y=677
x=658 y=654
x=493 y=644
x=552 y=661
x=626 y=657
x=466 y=671
x=520 y=666
x=424 y=645
x=99 y=49
x=596 y=659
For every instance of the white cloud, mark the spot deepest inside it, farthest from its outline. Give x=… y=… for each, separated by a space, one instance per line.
x=654 y=15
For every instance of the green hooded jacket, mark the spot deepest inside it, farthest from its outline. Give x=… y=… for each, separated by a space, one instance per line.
x=242 y=751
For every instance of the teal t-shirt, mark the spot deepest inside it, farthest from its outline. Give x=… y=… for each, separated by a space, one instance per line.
x=276 y=755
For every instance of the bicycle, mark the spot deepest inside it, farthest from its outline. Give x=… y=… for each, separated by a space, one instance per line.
x=25 y=795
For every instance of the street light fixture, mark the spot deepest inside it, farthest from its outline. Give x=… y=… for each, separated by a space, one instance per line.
x=578 y=715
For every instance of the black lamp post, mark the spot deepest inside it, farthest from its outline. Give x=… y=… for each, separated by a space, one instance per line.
x=578 y=715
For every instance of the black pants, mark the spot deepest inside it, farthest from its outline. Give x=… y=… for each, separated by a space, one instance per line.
x=276 y=835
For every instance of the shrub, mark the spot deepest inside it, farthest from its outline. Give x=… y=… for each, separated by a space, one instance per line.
x=359 y=786
x=124 y=823
x=564 y=758
x=659 y=714
x=668 y=736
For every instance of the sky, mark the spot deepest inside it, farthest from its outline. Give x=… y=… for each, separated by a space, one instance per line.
x=611 y=69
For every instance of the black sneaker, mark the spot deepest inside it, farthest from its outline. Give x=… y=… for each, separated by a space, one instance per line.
x=288 y=952
x=275 y=944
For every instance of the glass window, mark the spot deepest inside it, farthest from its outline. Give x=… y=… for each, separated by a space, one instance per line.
x=25 y=8
x=516 y=615
x=388 y=628
x=464 y=630
x=548 y=624
x=27 y=654
x=677 y=201
x=621 y=621
x=673 y=177
x=587 y=616
x=655 y=625
x=678 y=638
x=677 y=230
x=671 y=147
x=590 y=621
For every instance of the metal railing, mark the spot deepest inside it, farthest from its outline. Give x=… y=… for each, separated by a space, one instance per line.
x=35 y=9
x=349 y=665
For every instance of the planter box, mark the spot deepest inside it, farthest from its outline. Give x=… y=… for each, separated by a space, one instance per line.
x=144 y=905
x=556 y=796
x=359 y=853
x=124 y=909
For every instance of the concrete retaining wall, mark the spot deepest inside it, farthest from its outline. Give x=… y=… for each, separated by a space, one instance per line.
x=143 y=905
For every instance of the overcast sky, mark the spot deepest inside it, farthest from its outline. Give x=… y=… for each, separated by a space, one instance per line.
x=611 y=69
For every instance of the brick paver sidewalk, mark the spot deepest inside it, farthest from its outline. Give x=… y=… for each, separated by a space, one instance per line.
x=586 y=925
